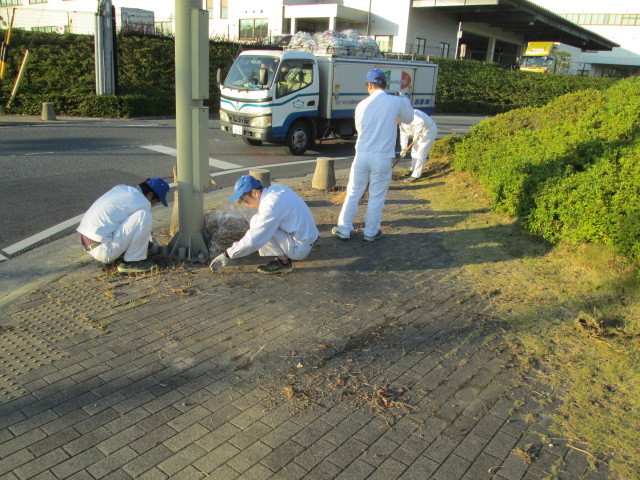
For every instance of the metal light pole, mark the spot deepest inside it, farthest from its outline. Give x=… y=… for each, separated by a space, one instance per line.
x=105 y=71
x=192 y=122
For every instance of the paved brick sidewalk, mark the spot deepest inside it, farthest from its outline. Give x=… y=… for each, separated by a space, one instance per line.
x=369 y=361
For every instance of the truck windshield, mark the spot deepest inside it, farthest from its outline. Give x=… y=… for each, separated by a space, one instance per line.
x=535 y=61
x=245 y=72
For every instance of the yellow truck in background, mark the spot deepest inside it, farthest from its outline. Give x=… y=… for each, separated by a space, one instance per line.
x=546 y=57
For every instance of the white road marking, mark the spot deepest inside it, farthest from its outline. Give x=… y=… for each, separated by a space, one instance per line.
x=213 y=162
x=38 y=237
x=257 y=167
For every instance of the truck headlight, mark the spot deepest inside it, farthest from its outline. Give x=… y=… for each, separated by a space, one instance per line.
x=223 y=116
x=261 y=122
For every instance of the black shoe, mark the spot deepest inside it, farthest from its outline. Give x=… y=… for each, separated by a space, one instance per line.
x=141 y=266
x=408 y=174
x=276 y=266
x=377 y=236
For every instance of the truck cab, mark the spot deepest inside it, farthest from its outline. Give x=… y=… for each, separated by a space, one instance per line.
x=272 y=96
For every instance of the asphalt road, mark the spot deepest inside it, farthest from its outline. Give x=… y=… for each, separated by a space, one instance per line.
x=50 y=173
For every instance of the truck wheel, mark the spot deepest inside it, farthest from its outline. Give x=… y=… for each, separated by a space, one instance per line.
x=252 y=142
x=298 y=139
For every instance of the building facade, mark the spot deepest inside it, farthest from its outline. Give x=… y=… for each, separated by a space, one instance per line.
x=605 y=37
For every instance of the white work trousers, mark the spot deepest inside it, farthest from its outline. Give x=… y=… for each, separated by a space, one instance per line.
x=420 y=151
x=376 y=171
x=131 y=238
x=283 y=245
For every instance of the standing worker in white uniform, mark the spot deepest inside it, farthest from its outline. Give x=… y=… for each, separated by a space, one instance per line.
x=283 y=227
x=119 y=223
x=423 y=131
x=376 y=120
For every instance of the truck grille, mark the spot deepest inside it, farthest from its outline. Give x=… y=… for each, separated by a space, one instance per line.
x=238 y=120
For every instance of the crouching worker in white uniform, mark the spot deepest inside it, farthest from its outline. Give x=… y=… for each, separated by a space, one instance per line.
x=283 y=227
x=119 y=223
x=423 y=131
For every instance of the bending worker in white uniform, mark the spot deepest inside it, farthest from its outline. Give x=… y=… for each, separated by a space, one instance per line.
x=119 y=223
x=376 y=121
x=423 y=131
x=283 y=227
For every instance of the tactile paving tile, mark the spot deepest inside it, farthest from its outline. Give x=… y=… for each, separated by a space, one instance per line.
x=91 y=299
x=21 y=350
x=67 y=309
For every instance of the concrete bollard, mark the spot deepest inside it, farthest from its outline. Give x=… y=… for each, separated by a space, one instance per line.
x=48 y=113
x=263 y=175
x=324 y=177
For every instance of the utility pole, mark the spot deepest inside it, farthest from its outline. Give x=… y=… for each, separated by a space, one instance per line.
x=192 y=124
x=105 y=70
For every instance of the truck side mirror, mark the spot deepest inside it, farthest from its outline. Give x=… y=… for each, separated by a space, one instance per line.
x=218 y=76
x=264 y=76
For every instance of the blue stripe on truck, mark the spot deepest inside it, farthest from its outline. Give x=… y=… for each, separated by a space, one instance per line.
x=281 y=132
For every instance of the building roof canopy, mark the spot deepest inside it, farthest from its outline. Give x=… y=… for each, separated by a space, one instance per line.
x=523 y=18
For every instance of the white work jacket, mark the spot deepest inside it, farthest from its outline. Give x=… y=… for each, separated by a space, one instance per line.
x=418 y=129
x=376 y=122
x=280 y=208
x=110 y=210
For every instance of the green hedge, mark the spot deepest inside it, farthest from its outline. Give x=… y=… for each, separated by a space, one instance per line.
x=569 y=170
x=61 y=69
x=485 y=88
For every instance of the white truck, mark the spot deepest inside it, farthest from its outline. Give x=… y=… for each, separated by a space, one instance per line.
x=296 y=98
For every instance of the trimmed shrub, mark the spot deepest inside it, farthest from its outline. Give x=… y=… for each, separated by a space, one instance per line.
x=469 y=86
x=569 y=170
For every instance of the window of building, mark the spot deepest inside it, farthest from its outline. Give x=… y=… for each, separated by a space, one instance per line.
x=583 y=73
x=631 y=19
x=10 y=3
x=224 y=9
x=254 y=28
x=62 y=29
x=444 y=49
x=38 y=1
x=421 y=46
x=385 y=42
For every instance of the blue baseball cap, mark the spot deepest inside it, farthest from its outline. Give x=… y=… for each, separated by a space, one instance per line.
x=244 y=184
x=375 y=75
x=161 y=188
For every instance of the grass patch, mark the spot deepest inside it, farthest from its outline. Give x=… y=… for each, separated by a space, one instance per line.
x=573 y=312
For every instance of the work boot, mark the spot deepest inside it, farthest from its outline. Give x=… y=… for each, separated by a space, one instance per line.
x=411 y=180
x=276 y=266
x=140 y=266
x=377 y=236
x=407 y=174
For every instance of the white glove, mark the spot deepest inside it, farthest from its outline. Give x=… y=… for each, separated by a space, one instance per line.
x=219 y=262
x=403 y=153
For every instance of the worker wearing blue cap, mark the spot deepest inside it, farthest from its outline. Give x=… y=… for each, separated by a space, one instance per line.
x=119 y=224
x=377 y=117
x=283 y=227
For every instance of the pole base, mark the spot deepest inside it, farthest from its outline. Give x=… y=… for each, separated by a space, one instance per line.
x=189 y=247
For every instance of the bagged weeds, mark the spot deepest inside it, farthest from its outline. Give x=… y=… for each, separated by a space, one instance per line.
x=226 y=225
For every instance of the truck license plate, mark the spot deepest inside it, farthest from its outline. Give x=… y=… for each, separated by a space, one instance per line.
x=236 y=129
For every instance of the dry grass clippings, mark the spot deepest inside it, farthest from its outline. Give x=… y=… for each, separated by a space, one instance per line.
x=574 y=313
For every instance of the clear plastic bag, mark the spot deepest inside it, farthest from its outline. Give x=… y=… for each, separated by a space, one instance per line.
x=226 y=225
